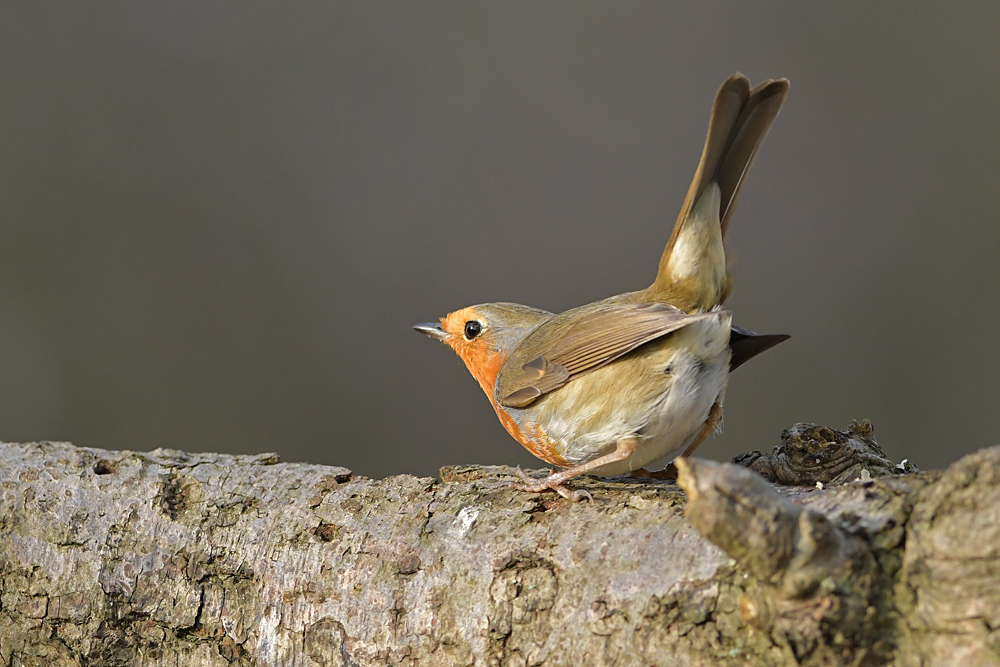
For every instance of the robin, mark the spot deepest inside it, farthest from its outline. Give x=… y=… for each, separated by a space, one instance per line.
x=612 y=386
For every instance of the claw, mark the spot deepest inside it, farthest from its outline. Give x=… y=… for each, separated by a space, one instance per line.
x=573 y=496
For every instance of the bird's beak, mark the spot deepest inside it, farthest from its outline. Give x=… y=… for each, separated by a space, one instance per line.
x=431 y=329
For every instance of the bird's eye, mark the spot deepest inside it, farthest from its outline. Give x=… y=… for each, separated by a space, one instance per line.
x=472 y=329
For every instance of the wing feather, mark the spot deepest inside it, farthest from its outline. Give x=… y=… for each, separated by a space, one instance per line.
x=587 y=342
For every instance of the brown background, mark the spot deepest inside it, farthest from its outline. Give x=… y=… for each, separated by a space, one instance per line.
x=217 y=223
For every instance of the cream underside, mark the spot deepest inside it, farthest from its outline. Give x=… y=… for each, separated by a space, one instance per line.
x=663 y=410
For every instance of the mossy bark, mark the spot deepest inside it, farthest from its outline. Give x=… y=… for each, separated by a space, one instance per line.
x=167 y=558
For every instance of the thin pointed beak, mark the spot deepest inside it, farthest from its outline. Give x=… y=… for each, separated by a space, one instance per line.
x=432 y=329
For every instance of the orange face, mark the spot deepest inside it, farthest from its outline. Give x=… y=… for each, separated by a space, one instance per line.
x=473 y=341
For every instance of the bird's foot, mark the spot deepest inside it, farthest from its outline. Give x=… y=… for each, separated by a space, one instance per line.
x=553 y=481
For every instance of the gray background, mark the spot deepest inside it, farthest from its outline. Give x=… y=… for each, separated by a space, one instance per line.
x=217 y=223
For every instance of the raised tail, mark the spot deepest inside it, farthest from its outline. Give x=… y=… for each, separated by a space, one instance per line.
x=693 y=273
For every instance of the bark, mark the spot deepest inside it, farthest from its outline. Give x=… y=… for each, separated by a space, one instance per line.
x=168 y=558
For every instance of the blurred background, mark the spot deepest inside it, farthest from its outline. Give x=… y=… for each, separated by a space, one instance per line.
x=218 y=222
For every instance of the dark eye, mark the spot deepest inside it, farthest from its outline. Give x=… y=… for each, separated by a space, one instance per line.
x=472 y=329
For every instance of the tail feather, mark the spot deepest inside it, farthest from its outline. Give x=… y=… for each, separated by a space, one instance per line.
x=741 y=118
x=748 y=134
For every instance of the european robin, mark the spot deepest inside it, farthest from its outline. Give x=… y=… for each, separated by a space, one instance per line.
x=614 y=385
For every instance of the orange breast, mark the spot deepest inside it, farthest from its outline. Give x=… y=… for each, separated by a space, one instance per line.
x=484 y=363
x=485 y=369
x=535 y=440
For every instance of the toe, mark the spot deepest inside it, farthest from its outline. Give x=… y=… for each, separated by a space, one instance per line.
x=529 y=487
x=574 y=496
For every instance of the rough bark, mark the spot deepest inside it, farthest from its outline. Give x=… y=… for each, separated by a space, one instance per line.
x=168 y=558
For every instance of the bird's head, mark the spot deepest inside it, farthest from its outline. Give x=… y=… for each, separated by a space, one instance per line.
x=483 y=336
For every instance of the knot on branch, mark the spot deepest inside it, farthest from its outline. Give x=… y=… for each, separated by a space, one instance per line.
x=819 y=580
x=809 y=453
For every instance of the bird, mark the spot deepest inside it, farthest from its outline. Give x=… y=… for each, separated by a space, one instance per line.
x=610 y=387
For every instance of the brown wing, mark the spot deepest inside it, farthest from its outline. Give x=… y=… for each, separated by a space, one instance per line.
x=575 y=343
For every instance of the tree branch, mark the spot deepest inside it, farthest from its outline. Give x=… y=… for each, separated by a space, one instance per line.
x=122 y=558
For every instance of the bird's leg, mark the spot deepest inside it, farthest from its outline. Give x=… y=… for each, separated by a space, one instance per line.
x=707 y=429
x=710 y=426
x=625 y=448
